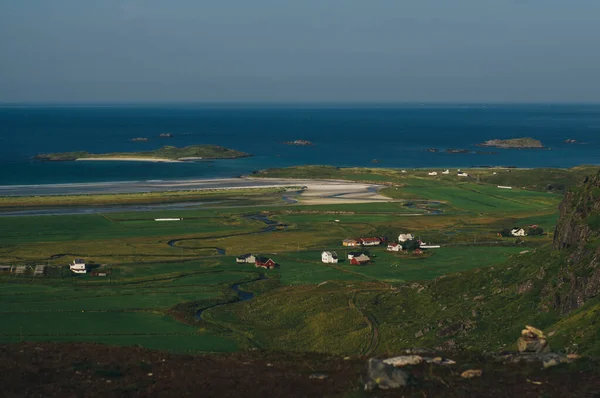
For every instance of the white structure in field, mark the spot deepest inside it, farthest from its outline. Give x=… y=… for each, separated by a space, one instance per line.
x=394 y=247
x=246 y=258
x=504 y=187
x=329 y=257
x=432 y=173
x=78 y=266
x=518 y=232
x=462 y=174
x=168 y=219
x=446 y=171
x=405 y=237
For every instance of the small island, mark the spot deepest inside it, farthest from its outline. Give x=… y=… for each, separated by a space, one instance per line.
x=518 y=143
x=164 y=154
x=298 y=142
x=139 y=139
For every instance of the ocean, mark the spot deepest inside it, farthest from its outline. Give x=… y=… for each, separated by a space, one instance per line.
x=343 y=135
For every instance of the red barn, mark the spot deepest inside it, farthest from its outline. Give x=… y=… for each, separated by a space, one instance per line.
x=264 y=262
x=360 y=260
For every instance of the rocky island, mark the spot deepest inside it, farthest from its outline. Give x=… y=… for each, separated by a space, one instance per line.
x=139 y=139
x=164 y=154
x=518 y=143
x=298 y=142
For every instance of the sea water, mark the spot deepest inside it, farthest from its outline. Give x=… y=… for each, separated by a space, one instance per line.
x=343 y=135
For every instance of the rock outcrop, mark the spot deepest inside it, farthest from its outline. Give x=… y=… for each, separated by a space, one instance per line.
x=577 y=233
x=532 y=340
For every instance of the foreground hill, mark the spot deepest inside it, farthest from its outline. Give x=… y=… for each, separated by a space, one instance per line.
x=93 y=370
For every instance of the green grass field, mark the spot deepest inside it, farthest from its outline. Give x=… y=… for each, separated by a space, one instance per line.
x=154 y=288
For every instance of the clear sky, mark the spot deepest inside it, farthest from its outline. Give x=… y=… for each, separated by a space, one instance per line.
x=302 y=50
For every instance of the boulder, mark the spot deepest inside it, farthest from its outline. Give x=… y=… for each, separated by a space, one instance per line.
x=404 y=360
x=532 y=345
x=469 y=374
x=384 y=376
x=532 y=340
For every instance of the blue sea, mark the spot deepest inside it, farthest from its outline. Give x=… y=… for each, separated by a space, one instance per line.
x=343 y=135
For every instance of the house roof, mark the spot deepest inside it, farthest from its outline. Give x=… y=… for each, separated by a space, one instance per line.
x=361 y=258
x=247 y=255
x=371 y=239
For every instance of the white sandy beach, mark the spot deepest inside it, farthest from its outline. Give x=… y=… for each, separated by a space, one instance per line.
x=160 y=160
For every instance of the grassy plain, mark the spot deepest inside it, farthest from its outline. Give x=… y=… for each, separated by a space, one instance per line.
x=161 y=274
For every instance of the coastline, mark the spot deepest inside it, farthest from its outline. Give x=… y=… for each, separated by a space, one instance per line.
x=130 y=159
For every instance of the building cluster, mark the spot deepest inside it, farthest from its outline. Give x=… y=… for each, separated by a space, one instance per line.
x=258 y=261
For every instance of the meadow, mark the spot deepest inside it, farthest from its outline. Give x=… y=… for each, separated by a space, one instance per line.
x=161 y=274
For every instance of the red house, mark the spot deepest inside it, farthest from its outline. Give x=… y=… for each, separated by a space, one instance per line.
x=264 y=262
x=360 y=260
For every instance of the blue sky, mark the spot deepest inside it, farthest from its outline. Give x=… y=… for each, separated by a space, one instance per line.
x=308 y=50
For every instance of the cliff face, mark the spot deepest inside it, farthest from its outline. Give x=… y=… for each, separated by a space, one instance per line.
x=577 y=236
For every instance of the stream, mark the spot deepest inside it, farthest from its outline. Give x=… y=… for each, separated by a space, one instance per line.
x=270 y=226
x=241 y=295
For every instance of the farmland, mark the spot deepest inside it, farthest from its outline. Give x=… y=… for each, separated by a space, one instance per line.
x=161 y=275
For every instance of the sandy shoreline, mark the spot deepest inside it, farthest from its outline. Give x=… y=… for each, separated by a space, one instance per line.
x=311 y=191
x=159 y=160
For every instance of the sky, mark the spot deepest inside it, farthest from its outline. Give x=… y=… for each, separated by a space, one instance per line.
x=80 y=51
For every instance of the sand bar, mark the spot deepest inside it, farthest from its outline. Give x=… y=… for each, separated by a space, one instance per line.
x=314 y=192
x=130 y=159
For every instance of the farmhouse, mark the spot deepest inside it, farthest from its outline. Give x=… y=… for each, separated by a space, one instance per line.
x=360 y=260
x=370 y=241
x=518 y=232
x=405 y=237
x=246 y=258
x=39 y=270
x=78 y=266
x=351 y=255
x=462 y=174
x=394 y=247
x=329 y=257
x=432 y=173
x=264 y=262
x=350 y=242
x=5 y=268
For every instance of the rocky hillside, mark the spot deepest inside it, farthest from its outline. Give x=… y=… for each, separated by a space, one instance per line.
x=577 y=235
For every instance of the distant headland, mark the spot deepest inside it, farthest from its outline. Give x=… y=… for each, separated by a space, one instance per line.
x=525 y=142
x=164 y=154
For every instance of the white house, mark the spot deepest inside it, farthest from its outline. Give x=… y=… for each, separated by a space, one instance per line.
x=462 y=174
x=78 y=266
x=446 y=171
x=432 y=173
x=246 y=258
x=518 y=232
x=403 y=171
x=405 y=237
x=394 y=247
x=329 y=257
x=504 y=187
